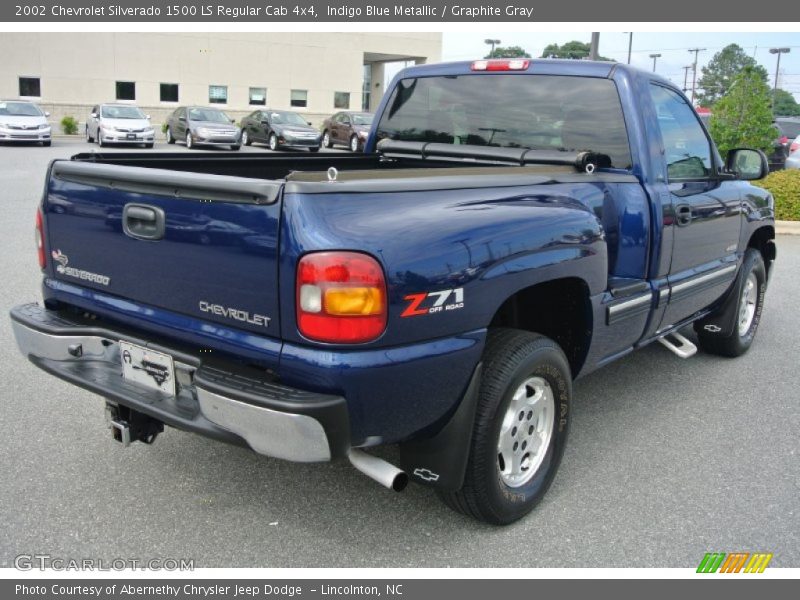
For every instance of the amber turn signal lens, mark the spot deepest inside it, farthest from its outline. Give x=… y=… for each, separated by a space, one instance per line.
x=354 y=301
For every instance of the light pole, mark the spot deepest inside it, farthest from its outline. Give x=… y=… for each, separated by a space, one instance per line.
x=686 y=78
x=694 y=69
x=655 y=57
x=594 y=46
x=493 y=44
x=777 y=51
x=630 y=45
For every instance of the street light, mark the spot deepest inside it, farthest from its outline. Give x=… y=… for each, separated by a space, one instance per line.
x=777 y=51
x=654 y=57
x=493 y=44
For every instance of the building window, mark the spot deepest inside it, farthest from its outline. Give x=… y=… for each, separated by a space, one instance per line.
x=30 y=86
x=366 y=88
x=218 y=94
x=341 y=100
x=126 y=90
x=169 y=92
x=299 y=98
x=258 y=96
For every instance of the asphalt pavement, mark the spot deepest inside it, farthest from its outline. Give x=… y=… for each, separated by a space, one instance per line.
x=667 y=459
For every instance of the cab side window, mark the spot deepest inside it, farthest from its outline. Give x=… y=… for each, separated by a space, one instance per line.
x=686 y=147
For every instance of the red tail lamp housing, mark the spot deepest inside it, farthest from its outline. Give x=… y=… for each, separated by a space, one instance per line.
x=341 y=297
x=511 y=64
x=40 y=239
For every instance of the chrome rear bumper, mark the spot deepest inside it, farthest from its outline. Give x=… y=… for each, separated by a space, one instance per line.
x=226 y=402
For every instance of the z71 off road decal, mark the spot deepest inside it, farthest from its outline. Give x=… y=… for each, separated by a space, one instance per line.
x=429 y=303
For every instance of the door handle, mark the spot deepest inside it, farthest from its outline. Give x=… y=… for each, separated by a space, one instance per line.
x=143 y=222
x=683 y=215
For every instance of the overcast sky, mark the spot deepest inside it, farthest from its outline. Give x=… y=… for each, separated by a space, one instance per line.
x=673 y=48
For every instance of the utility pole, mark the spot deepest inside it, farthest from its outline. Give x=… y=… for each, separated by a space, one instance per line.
x=493 y=43
x=777 y=51
x=694 y=69
x=655 y=57
x=686 y=78
x=594 y=51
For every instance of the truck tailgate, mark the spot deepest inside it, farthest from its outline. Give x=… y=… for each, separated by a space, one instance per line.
x=214 y=252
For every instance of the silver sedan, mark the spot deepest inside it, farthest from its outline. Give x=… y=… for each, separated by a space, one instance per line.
x=793 y=162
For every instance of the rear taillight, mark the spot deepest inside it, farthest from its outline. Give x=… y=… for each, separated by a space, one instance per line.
x=794 y=147
x=341 y=297
x=513 y=64
x=40 y=239
x=784 y=140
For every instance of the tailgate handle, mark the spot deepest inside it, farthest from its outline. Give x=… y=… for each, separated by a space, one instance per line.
x=143 y=222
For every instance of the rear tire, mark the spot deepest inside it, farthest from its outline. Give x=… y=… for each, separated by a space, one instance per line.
x=47 y=144
x=235 y=148
x=148 y=146
x=748 y=315
x=314 y=149
x=524 y=403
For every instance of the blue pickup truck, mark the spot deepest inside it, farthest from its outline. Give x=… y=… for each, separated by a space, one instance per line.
x=510 y=226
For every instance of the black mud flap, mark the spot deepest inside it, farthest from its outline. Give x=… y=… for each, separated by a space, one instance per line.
x=723 y=319
x=441 y=461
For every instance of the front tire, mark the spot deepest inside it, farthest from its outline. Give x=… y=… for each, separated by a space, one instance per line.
x=189 y=140
x=748 y=314
x=170 y=139
x=273 y=142
x=246 y=141
x=326 y=139
x=354 y=143
x=520 y=429
x=89 y=138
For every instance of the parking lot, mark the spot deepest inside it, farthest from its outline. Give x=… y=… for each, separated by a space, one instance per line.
x=668 y=459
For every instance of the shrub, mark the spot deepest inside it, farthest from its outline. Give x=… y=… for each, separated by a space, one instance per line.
x=785 y=187
x=69 y=125
x=164 y=127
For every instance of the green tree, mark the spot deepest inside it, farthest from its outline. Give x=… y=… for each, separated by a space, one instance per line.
x=508 y=52
x=718 y=75
x=743 y=116
x=785 y=104
x=573 y=49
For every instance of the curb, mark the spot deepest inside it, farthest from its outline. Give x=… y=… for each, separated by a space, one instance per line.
x=787 y=227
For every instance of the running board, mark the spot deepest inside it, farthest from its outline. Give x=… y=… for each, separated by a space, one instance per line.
x=678 y=344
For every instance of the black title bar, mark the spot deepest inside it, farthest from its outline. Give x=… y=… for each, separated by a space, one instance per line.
x=410 y=11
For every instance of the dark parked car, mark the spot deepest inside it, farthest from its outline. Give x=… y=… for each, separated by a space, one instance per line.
x=201 y=126
x=348 y=128
x=279 y=129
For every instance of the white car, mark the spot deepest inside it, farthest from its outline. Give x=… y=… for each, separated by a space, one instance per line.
x=22 y=121
x=793 y=161
x=119 y=124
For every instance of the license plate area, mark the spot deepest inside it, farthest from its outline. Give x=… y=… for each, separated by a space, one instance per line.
x=131 y=136
x=148 y=368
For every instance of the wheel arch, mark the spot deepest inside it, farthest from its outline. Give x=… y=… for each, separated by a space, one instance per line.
x=559 y=309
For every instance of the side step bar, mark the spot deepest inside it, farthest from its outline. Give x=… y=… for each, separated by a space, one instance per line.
x=678 y=344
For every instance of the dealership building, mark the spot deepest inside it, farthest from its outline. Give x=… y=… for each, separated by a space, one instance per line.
x=313 y=73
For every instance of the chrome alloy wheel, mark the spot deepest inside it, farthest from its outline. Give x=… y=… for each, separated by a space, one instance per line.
x=526 y=432
x=747 y=305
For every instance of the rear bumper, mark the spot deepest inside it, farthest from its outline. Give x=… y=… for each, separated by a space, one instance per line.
x=223 y=401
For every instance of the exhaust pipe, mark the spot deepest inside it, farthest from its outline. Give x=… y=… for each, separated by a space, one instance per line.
x=378 y=469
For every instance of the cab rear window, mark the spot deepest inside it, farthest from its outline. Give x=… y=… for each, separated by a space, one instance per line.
x=544 y=112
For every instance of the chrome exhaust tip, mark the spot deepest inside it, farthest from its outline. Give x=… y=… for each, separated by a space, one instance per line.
x=378 y=469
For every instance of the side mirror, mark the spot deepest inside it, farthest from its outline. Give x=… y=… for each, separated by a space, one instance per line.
x=46 y=114
x=309 y=123
x=747 y=164
x=265 y=122
x=182 y=119
x=147 y=117
x=233 y=120
x=94 y=115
